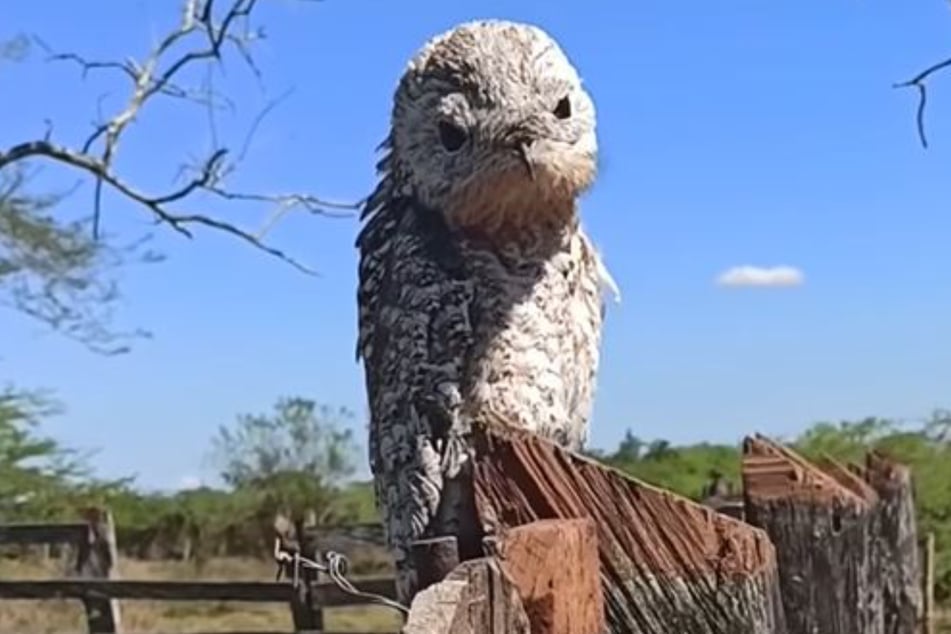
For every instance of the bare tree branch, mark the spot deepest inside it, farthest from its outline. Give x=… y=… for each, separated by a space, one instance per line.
x=202 y=35
x=919 y=82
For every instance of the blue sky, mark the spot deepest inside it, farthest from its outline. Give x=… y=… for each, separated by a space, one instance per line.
x=732 y=133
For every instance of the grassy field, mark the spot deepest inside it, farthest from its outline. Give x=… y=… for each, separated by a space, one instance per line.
x=59 y=616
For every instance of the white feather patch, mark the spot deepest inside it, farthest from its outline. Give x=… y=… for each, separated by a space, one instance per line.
x=608 y=285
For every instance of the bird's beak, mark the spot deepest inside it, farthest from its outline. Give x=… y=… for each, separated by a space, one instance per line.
x=522 y=147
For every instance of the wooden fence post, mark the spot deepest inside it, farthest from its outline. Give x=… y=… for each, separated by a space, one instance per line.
x=97 y=558
x=667 y=564
x=928 y=583
x=822 y=533
x=300 y=538
x=869 y=548
x=897 y=542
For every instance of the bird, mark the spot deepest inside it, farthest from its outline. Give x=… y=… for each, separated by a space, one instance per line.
x=479 y=292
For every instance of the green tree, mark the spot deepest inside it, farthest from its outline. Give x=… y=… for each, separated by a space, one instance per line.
x=683 y=469
x=39 y=478
x=300 y=436
x=56 y=273
x=293 y=460
x=847 y=440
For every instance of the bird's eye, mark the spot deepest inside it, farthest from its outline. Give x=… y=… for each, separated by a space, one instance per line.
x=451 y=136
x=563 y=109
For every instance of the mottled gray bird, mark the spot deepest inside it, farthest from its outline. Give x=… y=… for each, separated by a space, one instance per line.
x=478 y=289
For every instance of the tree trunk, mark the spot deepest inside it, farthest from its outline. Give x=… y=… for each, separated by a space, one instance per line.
x=822 y=533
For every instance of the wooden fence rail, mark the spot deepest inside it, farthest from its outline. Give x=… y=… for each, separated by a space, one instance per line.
x=23 y=534
x=92 y=580
x=327 y=594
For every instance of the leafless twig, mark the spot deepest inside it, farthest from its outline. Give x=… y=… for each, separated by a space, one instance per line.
x=203 y=34
x=919 y=82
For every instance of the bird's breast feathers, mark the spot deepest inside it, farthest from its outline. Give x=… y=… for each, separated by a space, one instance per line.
x=536 y=342
x=524 y=334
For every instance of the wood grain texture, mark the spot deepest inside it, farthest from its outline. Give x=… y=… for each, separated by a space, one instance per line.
x=554 y=564
x=97 y=557
x=667 y=563
x=848 y=478
x=475 y=598
x=898 y=542
x=823 y=532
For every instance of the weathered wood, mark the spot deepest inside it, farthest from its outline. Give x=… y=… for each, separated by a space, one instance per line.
x=327 y=593
x=434 y=559
x=732 y=506
x=858 y=470
x=554 y=564
x=667 y=564
x=72 y=533
x=477 y=597
x=97 y=557
x=928 y=617
x=300 y=539
x=848 y=478
x=822 y=533
x=897 y=542
x=286 y=542
x=869 y=547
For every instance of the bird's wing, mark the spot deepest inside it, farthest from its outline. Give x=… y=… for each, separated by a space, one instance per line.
x=414 y=336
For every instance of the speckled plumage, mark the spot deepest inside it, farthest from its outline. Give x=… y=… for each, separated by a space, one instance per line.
x=478 y=290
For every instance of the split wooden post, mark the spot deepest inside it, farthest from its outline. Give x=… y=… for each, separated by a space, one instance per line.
x=96 y=558
x=667 y=564
x=477 y=597
x=821 y=529
x=554 y=565
x=897 y=542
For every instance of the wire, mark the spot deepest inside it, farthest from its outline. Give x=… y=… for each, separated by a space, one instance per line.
x=336 y=568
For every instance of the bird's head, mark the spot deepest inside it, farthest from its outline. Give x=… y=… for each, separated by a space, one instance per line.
x=492 y=127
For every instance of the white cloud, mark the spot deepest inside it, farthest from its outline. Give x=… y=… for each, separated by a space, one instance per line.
x=189 y=482
x=761 y=276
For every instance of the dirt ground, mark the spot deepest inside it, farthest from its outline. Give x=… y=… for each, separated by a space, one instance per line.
x=63 y=616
